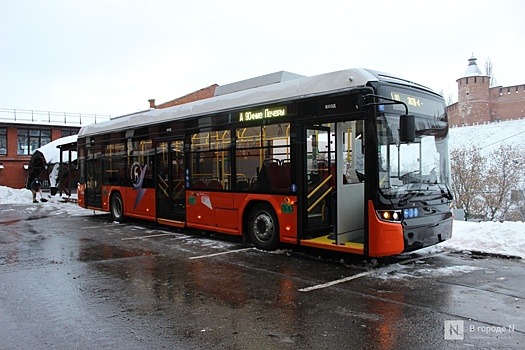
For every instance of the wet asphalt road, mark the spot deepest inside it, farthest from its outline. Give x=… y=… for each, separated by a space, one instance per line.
x=85 y=282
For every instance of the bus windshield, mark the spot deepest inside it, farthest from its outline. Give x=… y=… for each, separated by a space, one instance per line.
x=421 y=167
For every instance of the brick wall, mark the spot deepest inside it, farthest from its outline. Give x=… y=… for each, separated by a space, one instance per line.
x=192 y=97
x=509 y=102
x=478 y=104
x=13 y=174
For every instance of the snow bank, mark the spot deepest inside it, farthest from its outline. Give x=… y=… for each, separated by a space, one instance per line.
x=12 y=196
x=507 y=238
x=489 y=137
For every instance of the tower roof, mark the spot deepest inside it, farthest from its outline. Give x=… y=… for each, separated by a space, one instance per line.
x=472 y=69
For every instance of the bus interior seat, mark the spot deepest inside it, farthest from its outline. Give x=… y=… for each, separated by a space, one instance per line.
x=199 y=184
x=214 y=184
x=286 y=171
x=274 y=173
x=241 y=185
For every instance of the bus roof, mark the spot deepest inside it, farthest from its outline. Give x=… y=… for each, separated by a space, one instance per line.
x=268 y=94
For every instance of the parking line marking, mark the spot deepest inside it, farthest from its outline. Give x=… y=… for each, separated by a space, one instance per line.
x=149 y=236
x=342 y=280
x=221 y=253
x=366 y=273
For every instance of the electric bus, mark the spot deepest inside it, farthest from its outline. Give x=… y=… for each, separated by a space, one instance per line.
x=353 y=161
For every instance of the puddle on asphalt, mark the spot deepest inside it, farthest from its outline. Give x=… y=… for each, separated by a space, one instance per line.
x=108 y=252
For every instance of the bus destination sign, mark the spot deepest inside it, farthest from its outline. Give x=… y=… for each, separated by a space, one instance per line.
x=416 y=103
x=264 y=113
x=409 y=100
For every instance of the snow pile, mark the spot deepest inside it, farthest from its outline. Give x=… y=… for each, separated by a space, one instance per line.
x=420 y=270
x=12 y=196
x=52 y=154
x=506 y=238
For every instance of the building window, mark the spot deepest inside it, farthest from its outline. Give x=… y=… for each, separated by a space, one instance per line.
x=68 y=132
x=29 y=140
x=3 y=141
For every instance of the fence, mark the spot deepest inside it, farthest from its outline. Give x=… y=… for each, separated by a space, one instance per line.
x=47 y=117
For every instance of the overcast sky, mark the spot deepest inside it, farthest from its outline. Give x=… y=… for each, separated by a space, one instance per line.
x=111 y=56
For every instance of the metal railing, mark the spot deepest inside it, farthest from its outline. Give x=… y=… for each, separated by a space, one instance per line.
x=48 y=117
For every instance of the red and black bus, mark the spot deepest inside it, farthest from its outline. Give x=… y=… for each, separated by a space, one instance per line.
x=354 y=161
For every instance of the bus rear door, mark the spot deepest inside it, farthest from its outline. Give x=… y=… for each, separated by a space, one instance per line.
x=93 y=192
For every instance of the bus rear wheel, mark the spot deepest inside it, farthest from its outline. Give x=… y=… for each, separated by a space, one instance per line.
x=263 y=227
x=117 y=208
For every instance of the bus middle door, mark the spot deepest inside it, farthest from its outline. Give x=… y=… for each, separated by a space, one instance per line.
x=170 y=190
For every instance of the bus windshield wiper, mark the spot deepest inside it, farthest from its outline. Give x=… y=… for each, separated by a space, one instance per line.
x=408 y=196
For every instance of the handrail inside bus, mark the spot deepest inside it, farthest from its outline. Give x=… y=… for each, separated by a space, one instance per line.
x=319 y=186
x=323 y=196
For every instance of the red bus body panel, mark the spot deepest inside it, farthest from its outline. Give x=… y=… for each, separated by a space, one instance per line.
x=224 y=212
x=384 y=238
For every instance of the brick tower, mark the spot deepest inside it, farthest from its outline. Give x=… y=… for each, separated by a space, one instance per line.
x=473 y=95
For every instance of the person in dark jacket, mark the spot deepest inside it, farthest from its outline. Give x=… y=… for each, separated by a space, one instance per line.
x=36 y=187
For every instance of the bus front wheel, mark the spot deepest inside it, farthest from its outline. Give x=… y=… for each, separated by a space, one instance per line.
x=263 y=227
x=117 y=208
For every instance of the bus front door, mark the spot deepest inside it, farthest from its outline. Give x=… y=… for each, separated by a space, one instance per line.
x=333 y=195
x=319 y=190
x=170 y=190
x=93 y=192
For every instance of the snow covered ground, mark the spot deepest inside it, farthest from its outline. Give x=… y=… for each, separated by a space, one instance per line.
x=507 y=238
x=489 y=137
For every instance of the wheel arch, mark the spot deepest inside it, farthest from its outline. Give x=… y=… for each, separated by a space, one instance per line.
x=246 y=215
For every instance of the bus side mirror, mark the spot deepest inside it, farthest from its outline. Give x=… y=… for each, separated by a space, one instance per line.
x=407 y=128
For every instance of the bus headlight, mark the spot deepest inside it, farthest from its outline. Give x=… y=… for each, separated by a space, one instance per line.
x=410 y=213
x=389 y=215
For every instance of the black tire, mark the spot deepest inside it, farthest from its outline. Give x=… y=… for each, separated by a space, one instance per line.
x=117 y=208
x=263 y=227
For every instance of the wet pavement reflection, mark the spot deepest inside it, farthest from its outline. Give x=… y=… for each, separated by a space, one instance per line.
x=87 y=281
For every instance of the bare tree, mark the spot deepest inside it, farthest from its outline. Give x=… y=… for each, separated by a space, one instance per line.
x=450 y=99
x=489 y=71
x=467 y=168
x=492 y=187
x=506 y=166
